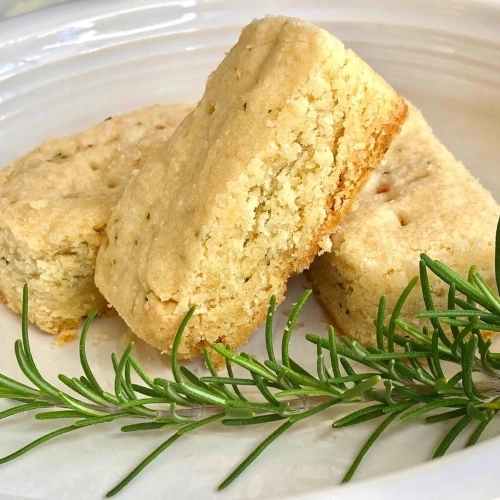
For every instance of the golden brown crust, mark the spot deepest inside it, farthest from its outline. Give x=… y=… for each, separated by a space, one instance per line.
x=382 y=142
x=54 y=326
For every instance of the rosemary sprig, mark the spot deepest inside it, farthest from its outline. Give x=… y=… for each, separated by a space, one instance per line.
x=404 y=381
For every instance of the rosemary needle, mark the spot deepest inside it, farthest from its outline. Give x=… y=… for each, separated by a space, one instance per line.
x=255 y=453
x=369 y=443
x=158 y=451
x=394 y=384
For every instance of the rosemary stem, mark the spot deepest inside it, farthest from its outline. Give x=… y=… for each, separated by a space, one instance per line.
x=402 y=377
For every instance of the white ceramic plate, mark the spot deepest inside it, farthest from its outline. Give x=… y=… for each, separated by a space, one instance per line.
x=70 y=66
x=12 y=8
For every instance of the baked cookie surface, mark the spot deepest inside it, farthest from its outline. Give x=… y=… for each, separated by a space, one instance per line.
x=249 y=188
x=419 y=200
x=55 y=203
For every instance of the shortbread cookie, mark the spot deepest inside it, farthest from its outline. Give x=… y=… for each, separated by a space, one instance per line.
x=420 y=199
x=249 y=188
x=55 y=203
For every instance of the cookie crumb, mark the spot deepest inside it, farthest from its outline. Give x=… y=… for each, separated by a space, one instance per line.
x=64 y=337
